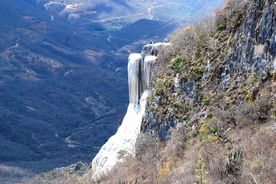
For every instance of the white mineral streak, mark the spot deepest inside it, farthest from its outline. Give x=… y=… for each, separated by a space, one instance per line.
x=139 y=73
x=148 y=64
x=124 y=139
x=134 y=61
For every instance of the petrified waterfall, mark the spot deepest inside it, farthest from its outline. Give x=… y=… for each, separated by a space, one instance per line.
x=139 y=72
x=134 y=78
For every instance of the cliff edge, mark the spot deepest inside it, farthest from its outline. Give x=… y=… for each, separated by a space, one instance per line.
x=211 y=114
x=123 y=142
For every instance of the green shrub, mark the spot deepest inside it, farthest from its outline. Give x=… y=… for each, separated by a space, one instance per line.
x=222 y=25
x=200 y=171
x=206 y=101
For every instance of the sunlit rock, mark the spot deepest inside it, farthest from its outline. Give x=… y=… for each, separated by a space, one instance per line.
x=139 y=74
x=134 y=61
x=148 y=64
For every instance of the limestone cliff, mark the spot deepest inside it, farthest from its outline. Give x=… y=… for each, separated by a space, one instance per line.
x=254 y=43
x=211 y=114
x=243 y=48
x=123 y=142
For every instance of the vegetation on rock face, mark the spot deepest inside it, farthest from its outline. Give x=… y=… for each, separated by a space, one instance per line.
x=212 y=105
x=211 y=115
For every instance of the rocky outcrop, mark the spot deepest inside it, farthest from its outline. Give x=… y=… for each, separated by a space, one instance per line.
x=254 y=46
x=123 y=142
x=239 y=53
x=213 y=96
x=62 y=175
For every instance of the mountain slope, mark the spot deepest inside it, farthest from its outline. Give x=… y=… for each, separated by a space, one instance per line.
x=211 y=115
x=51 y=90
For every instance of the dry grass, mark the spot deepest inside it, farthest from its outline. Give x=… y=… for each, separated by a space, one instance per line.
x=188 y=39
x=260 y=156
x=175 y=162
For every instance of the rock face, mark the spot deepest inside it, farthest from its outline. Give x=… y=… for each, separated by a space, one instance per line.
x=245 y=52
x=255 y=42
x=123 y=142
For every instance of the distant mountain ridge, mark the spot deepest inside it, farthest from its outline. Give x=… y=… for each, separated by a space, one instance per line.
x=114 y=13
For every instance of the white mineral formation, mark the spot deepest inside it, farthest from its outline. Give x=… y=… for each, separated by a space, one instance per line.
x=133 y=68
x=139 y=72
